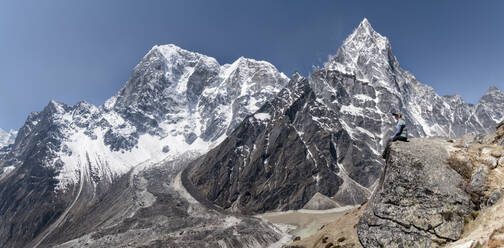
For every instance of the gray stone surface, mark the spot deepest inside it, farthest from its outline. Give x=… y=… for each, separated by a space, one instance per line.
x=282 y=161
x=320 y=202
x=479 y=180
x=497 y=137
x=419 y=202
x=494 y=197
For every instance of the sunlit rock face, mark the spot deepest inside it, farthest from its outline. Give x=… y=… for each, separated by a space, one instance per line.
x=325 y=133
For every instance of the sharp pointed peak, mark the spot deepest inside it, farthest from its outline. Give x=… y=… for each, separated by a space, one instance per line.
x=54 y=102
x=366 y=24
x=492 y=88
x=55 y=106
x=365 y=44
x=296 y=75
x=364 y=30
x=241 y=59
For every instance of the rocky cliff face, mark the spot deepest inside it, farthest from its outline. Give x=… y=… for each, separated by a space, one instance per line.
x=334 y=126
x=369 y=57
x=420 y=200
x=429 y=191
x=282 y=155
x=434 y=192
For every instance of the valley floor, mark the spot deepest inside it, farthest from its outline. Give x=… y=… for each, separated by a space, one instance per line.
x=304 y=223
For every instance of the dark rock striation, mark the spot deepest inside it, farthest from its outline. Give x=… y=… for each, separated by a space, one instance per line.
x=280 y=157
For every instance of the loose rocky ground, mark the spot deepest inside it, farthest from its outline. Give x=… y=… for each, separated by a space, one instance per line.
x=434 y=192
x=153 y=209
x=340 y=233
x=305 y=223
x=481 y=161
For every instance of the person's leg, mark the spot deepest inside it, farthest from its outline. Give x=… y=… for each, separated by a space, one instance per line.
x=386 y=150
x=401 y=138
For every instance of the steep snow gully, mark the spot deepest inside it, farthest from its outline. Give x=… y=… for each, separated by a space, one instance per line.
x=63 y=216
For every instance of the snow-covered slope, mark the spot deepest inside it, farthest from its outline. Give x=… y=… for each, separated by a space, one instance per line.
x=175 y=102
x=7 y=138
x=368 y=56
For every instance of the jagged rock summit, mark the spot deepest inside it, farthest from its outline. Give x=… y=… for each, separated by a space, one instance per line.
x=334 y=126
x=367 y=55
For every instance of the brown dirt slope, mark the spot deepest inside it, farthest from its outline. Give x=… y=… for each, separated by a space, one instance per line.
x=341 y=233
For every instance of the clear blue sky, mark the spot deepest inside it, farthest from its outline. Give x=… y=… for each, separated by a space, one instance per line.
x=85 y=50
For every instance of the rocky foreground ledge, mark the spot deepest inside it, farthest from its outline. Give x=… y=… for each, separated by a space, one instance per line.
x=420 y=201
x=433 y=192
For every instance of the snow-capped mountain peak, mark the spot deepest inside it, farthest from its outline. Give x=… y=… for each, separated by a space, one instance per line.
x=367 y=55
x=489 y=106
x=493 y=89
x=175 y=102
x=366 y=32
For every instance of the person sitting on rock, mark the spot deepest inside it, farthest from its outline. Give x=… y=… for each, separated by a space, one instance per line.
x=401 y=133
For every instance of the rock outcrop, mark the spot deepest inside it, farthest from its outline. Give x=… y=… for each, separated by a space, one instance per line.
x=482 y=164
x=420 y=200
x=433 y=191
x=326 y=135
x=497 y=137
x=280 y=157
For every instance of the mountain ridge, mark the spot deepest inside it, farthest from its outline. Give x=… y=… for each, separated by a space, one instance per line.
x=244 y=118
x=75 y=154
x=342 y=125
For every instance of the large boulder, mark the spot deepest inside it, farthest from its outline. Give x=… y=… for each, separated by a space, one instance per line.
x=479 y=180
x=497 y=137
x=419 y=202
